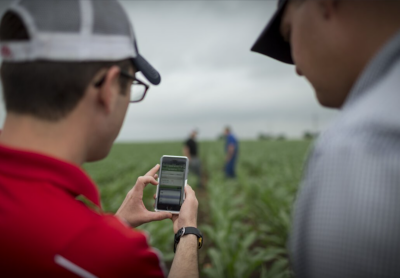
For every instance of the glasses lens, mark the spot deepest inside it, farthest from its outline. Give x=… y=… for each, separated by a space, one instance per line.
x=137 y=92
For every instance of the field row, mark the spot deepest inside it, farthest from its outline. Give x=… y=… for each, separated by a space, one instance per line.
x=245 y=221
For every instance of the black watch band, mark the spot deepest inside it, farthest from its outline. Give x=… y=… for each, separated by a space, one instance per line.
x=188 y=231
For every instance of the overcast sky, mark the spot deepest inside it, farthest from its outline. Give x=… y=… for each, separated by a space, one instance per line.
x=210 y=78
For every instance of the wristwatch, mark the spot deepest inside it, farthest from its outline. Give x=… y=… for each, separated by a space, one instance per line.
x=186 y=231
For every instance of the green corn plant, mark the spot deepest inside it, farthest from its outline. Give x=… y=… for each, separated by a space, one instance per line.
x=248 y=219
x=232 y=255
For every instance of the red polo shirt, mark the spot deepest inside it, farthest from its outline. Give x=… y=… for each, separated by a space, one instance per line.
x=46 y=232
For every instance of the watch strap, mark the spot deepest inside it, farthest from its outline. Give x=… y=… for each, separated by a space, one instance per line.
x=188 y=231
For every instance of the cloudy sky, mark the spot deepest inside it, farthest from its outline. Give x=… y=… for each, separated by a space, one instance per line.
x=210 y=78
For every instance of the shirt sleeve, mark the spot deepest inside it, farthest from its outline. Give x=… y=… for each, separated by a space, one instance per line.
x=347 y=213
x=231 y=141
x=110 y=249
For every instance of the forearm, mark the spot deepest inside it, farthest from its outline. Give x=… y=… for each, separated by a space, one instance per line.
x=185 y=263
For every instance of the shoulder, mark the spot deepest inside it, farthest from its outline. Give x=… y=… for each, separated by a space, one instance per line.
x=360 y=152
x=348 y=203
x=373 y=111
x=355 y=150
x=108 y=248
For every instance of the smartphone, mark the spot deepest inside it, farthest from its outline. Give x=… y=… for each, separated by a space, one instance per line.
x=172 y=179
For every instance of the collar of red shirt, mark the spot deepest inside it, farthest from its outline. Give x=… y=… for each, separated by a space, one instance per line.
x=34 y=166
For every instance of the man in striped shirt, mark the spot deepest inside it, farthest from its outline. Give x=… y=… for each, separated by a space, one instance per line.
x=347 y=215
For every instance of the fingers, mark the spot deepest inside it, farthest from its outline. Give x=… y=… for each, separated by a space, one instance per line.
x=153 y=171
x=146 y=180
x=158 y=216
x=191 y=199
x=189 y=192
x=143 y=181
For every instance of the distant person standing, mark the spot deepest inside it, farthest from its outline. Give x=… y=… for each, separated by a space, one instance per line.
x=231 y=149
x=190 y=150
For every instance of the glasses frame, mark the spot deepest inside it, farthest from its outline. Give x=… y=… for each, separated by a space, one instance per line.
x=135 y=81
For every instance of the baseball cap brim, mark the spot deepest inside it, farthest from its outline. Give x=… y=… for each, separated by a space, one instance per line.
x=271 y=42
x=146 y=69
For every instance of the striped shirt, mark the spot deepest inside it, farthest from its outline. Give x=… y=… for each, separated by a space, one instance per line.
x=347 y=216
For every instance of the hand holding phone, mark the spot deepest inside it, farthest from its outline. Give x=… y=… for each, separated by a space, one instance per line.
x=188 y=214
x=133 y=210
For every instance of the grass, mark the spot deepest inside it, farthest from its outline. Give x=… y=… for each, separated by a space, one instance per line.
x=245 y=222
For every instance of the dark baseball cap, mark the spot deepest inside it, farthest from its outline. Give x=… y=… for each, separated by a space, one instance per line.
x=76 y=31
x=271 y=42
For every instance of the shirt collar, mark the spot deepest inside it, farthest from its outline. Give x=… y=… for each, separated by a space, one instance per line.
x=376 y=69
x=34 y=166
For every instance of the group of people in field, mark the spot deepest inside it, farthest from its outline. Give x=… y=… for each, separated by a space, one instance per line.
x=231 y=149
x=68 y=69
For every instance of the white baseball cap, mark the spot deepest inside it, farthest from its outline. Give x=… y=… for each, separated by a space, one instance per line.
x=75 y=31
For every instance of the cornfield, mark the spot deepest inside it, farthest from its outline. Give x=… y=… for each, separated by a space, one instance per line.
x=245 y=221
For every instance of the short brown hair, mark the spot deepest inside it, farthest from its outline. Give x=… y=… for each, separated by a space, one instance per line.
x=46 y=89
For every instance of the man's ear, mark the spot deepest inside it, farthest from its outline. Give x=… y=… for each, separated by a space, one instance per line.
x=328 y=8
x=110 y=89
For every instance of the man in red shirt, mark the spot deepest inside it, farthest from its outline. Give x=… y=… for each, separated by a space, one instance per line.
x=67 y=72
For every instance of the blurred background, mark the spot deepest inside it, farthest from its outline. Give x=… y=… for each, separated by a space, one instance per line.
x=210 y=79
x=209 y=76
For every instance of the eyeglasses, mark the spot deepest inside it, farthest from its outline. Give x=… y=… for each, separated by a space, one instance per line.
x=138 y=88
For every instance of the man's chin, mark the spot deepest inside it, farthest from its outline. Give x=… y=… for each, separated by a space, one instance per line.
x=98 y=155
x=326 y=101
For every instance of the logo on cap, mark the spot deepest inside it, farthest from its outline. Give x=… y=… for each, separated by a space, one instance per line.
x=6 y=52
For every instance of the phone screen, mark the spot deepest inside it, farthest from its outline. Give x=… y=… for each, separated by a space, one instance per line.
x=171 y=183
